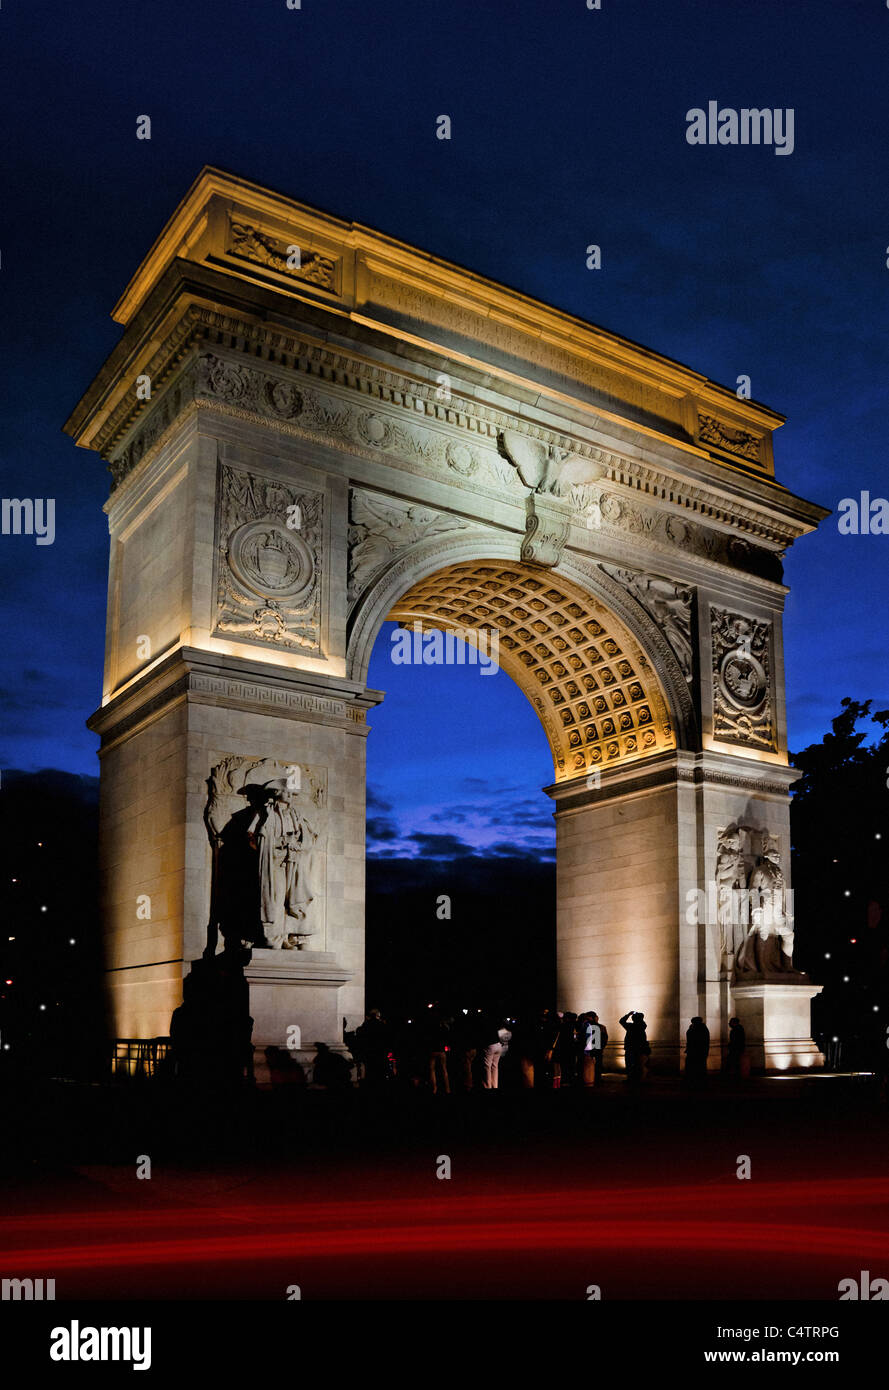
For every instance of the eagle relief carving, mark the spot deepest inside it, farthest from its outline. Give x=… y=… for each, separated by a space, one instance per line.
x=546 y=468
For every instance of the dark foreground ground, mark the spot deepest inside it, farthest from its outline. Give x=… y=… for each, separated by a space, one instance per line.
x=550 y=1193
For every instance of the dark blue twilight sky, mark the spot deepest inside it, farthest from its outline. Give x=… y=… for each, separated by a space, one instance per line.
x=568 y=128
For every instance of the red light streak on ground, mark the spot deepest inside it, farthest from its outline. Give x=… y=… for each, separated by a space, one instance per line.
x=775 y=1218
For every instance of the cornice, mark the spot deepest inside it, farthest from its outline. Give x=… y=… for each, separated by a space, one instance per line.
x=774 y=522
x=701 y=770
x=197 y=231
x=196 y=676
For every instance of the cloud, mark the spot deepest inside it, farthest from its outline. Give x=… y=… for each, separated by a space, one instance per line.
x=28 y=702
x=376 y=801
x=507 y=849
x=532 y=816
x=382 y=829
x=441 y=846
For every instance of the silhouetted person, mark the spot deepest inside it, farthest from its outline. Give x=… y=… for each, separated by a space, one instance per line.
x=594 y=1036
x=284 y=1068
x=538 y=1047
x=330 y=1069
x=495 y=1036
x=563 y=1051
x=185 y=1027
x=437 y=1045
x=467 y=1043
x=637 y=1048
x=372 y=1040
x=523 y=1043
x=737 y=1046
x=697 y=1050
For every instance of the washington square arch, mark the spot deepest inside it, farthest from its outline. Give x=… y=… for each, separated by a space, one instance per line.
x=312 y=428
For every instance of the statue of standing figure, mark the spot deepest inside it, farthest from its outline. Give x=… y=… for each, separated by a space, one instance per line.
x=731 y=881
x=283 y=840
x=768 y=946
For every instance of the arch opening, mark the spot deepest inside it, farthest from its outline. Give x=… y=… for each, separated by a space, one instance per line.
x=597 y=697
x=585 y=674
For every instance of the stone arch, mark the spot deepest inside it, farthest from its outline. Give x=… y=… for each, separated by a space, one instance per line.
x=607 y=692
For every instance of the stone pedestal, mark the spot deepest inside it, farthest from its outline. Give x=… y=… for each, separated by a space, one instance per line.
x=776 y=1016
x=298 y=988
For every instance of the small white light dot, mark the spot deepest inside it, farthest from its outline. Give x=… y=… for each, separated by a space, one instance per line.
x=42 y=1006
x=834 y=1040
x=71 y=941
x=845 y=979
x=827 y=955
x=6 y=1047
x=878 y=836
x=847 y=894
x=876 y=1008
x=43 y=909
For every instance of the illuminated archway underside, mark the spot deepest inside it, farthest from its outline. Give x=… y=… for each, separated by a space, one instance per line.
x=587 y=677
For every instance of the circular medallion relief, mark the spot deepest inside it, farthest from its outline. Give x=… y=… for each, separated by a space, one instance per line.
x=461 y=458
x=743 y=679
x=676 y=530
x=283 y=399
x=610 y=507
x=374 y=429
x=230 y=382
x=270 y=561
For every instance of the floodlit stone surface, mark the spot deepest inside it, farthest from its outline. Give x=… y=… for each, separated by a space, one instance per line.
x=373 y=433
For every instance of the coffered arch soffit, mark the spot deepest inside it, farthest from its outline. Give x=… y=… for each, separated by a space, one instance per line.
x=600 y=676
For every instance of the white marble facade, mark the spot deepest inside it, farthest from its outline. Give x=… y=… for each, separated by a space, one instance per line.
x=374 y=433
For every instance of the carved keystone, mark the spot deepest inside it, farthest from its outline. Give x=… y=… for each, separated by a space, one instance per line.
x=547 y=523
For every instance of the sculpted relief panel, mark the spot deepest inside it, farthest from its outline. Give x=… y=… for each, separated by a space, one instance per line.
x=754 y=909
x=668 y=604
x=267 y=823
x=249 y=243
x=404 y=420
x=742 y=685
x=269 y=539
x=382 y=528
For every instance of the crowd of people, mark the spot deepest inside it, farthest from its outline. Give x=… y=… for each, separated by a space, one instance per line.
x=444 y=1051
x=473 y=1049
